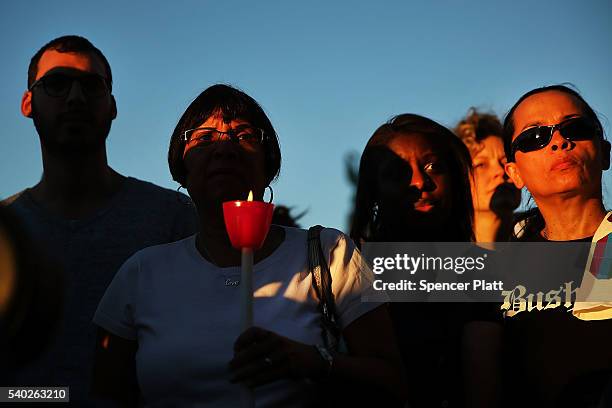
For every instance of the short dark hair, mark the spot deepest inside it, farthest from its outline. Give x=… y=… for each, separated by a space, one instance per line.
x=233 y=104
x=68 y=43
x=477 y=126
x=508 y=129
x=457 y=158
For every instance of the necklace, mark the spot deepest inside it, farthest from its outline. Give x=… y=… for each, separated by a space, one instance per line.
x=228 y=281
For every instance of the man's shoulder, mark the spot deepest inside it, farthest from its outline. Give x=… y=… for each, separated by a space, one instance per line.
x=139 y=187
x=9 y=201
x=170 y=208
x=147 y=186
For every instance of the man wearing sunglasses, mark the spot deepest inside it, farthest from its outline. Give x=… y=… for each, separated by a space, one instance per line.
x=87 y=216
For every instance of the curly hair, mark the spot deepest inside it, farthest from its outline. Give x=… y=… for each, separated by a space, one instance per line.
x=477 y=126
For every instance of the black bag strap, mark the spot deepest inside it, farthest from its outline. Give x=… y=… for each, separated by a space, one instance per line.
x=322 y=285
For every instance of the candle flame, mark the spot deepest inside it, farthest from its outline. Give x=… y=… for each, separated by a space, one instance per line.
x=250 y=198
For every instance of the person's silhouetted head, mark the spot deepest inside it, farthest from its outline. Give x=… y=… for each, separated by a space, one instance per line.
x=283 y=216
x=223 y=146
x=413 y=184
x=69 y=96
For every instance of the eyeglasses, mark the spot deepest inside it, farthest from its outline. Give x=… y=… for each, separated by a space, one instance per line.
x=58 y=85
x=242 y=134
x=538 y=137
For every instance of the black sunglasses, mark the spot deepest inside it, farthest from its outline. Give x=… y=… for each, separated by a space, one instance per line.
x=538 y=137
x=58 y=85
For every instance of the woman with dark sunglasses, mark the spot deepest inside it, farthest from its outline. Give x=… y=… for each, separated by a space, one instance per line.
x=556 y=149
x=171 y=313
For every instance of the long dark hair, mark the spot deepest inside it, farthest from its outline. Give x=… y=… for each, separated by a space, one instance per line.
x=365 y=223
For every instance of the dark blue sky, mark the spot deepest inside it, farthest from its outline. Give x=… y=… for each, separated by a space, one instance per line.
x=327 y=72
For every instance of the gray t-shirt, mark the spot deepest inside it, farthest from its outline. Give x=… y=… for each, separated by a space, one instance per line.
x=90 y=251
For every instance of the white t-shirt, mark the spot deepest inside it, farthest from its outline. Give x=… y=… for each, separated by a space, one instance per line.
x=184 y=313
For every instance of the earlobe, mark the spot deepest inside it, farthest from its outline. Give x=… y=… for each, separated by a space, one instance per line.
x=26 y=104
x=605 y=155
x=514 y=175
x=113 y=107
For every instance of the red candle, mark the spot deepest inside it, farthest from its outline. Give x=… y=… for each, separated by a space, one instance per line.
x=247 y=222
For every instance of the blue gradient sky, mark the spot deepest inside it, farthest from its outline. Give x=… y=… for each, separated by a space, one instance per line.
x=327 y=73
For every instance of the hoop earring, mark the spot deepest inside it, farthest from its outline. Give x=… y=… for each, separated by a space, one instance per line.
x=271 y=193
x=183 y=198
x=375 y=217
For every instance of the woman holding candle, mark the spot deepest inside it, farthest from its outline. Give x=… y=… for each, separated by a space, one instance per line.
x=172 y=312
